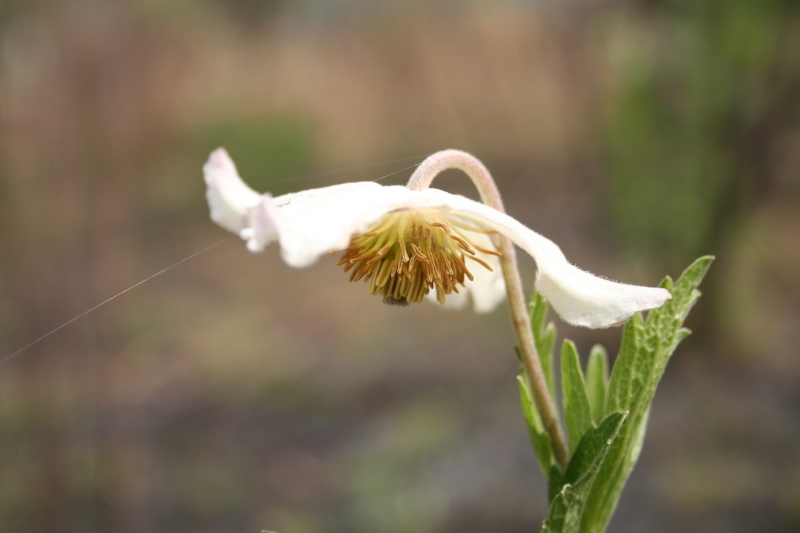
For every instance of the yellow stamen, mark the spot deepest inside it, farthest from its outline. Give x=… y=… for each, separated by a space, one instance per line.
x=485 y=251
x=463 y=244
x=409 y=253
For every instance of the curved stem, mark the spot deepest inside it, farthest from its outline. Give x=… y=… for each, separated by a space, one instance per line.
x=479 y=174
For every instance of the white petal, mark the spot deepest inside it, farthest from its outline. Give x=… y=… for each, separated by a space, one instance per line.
x=228 y=197
x=579 y=297
x=263 y=220
x=488 y=289
x=314 y=222
x=319 y=221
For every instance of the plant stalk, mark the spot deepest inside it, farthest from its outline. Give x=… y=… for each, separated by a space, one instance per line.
x=480 y=176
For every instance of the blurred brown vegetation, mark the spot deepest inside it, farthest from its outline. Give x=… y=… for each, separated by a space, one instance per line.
x=232 y=393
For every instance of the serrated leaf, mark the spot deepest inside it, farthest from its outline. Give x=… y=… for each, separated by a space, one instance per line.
x=592 y=448
x=555 y=483
x=565 y=511
x=622 y=384
x=597 y=381
x=567 y=505
x=644 y=353
x=577 y=412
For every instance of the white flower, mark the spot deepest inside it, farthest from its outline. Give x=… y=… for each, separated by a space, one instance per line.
x=410 y=243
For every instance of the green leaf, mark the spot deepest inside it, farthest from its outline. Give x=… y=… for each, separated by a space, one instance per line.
x=555 y=483
x=540 y=441
x=567 y=505
x=593 y=447
x=645 y=350
x=577 y=413
x=544 y=336
x=597 y=381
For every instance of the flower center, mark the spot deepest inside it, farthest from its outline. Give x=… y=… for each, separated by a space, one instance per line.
x=408 y=253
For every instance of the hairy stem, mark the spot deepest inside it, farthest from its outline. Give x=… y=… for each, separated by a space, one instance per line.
x=478 y=173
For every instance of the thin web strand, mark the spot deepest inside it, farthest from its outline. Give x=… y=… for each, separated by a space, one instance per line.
x=397 y=172
x=207 y=248
x=68 y=322
x=315 y=175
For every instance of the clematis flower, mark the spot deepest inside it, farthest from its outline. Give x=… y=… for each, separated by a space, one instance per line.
x=409 y=244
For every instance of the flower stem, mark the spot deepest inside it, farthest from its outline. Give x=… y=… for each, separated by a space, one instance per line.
x=479 y=174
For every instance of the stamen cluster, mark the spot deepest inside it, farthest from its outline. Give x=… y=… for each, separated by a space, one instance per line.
x=409 y=253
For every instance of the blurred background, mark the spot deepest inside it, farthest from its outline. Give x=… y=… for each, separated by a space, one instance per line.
x=234 y=394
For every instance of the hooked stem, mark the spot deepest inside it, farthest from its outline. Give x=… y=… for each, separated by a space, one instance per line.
x=479 y=174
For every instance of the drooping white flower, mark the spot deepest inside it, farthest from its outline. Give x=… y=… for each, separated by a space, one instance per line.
x=409 y=243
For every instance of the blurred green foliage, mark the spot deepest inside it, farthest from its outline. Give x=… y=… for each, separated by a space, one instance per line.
x=705 y=88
